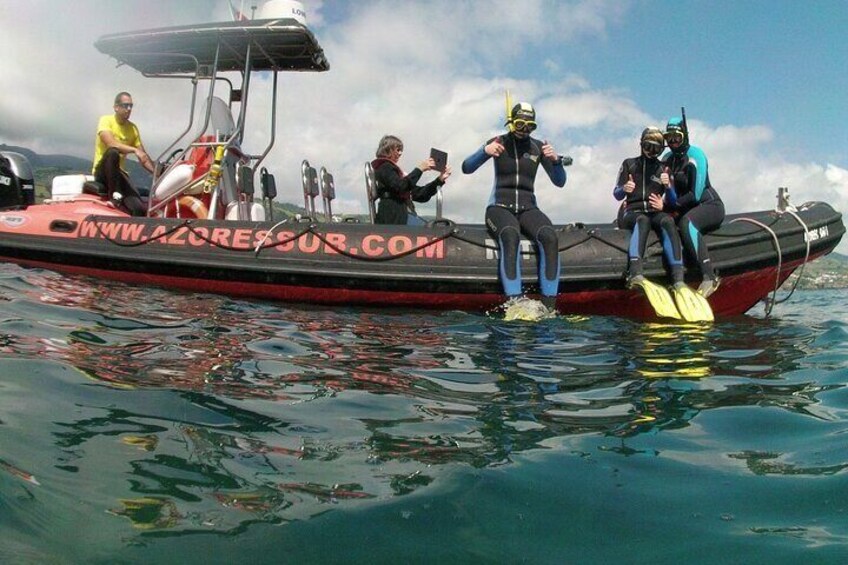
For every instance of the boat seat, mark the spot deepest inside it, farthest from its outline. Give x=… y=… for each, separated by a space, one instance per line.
x=371 y=191
x=309 y=177
x=66 y=187
x=95 y=189
x=328 y=192
x=269 y=191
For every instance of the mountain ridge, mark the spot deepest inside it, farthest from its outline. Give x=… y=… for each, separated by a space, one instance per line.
x=68 y=164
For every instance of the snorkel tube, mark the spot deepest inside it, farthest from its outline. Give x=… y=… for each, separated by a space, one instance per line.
x=508 y=122
x=680 y=126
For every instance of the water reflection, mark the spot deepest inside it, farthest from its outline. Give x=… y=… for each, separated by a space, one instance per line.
x=274 y=413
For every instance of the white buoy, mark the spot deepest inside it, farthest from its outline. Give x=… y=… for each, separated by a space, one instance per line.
x=173 y=181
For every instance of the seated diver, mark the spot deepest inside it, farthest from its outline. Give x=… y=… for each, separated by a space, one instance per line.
x=397 y=191
x=512 y=208
x=699 y=208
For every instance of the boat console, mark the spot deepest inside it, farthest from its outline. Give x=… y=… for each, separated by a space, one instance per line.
x=212 y=177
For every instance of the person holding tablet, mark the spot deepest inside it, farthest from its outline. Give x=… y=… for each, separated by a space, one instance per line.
x=398 y=192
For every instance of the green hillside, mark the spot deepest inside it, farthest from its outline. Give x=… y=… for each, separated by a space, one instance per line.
x=828 y=272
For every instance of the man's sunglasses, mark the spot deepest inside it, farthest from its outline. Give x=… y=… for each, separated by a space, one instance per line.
x=126 y=105
x=524 y=125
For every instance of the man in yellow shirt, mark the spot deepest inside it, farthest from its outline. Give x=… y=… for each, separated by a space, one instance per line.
x=117 y=137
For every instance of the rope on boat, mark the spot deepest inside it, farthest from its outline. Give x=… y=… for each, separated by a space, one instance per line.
x=406 y=253
x=213 y=243
x=593 y=234
x=137 y=243
x=259 y=246
x=771 y=302
x=262 y=245
x=311 y=229
x=806 y=254
x=483 y=245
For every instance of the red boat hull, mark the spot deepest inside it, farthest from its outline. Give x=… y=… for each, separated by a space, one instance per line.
x=441 y=266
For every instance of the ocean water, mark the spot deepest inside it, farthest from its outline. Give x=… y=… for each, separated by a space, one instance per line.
x=150 y=426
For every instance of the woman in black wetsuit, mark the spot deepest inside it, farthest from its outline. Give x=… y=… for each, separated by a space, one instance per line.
x=640 y=184
x=512 y=208
x=398 y=191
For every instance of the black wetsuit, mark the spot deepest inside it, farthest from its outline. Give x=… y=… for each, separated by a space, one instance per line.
x=512 y=210
x=639 y=216
x=397 y=192
x=699 y=206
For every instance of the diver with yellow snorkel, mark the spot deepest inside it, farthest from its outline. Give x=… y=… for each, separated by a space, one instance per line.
x=512 y=208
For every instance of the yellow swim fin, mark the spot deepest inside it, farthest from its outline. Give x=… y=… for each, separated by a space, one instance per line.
x=692 y=306
x=658 y=296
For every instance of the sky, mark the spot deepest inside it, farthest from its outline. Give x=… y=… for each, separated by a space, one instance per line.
x=764 y=84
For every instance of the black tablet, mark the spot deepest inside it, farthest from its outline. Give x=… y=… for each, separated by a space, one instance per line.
x=441 y=159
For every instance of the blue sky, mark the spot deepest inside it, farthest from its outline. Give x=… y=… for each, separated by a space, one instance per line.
x=764 y=85
x=783 y=63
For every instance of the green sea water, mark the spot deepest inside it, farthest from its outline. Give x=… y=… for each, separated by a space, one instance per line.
x=148 y=426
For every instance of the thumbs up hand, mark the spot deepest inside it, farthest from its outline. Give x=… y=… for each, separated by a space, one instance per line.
x=665 y=179
x=549 y=151
x=495 y=148
x=629 y=186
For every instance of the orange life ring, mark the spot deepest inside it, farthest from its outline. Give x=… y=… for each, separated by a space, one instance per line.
x=189 y=207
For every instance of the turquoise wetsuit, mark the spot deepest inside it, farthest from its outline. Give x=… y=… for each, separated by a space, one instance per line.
x=698 y=204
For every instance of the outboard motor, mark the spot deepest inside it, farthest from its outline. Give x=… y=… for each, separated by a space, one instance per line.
x=17 y=182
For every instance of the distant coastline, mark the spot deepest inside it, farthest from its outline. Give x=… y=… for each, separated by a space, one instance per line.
x=827 y=272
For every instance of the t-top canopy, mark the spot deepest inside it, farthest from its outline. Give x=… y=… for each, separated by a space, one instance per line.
x=276 y=45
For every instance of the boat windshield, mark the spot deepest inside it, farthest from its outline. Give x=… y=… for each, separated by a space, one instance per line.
x=221 y=122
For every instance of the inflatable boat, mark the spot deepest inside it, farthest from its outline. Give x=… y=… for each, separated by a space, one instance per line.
x=208 y=230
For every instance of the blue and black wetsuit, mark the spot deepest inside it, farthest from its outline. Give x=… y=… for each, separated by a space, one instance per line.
x=512 y=210
x=698 y=204
x=639 y=216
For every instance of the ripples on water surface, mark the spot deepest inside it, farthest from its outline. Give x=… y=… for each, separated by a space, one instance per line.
x=148 y=425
